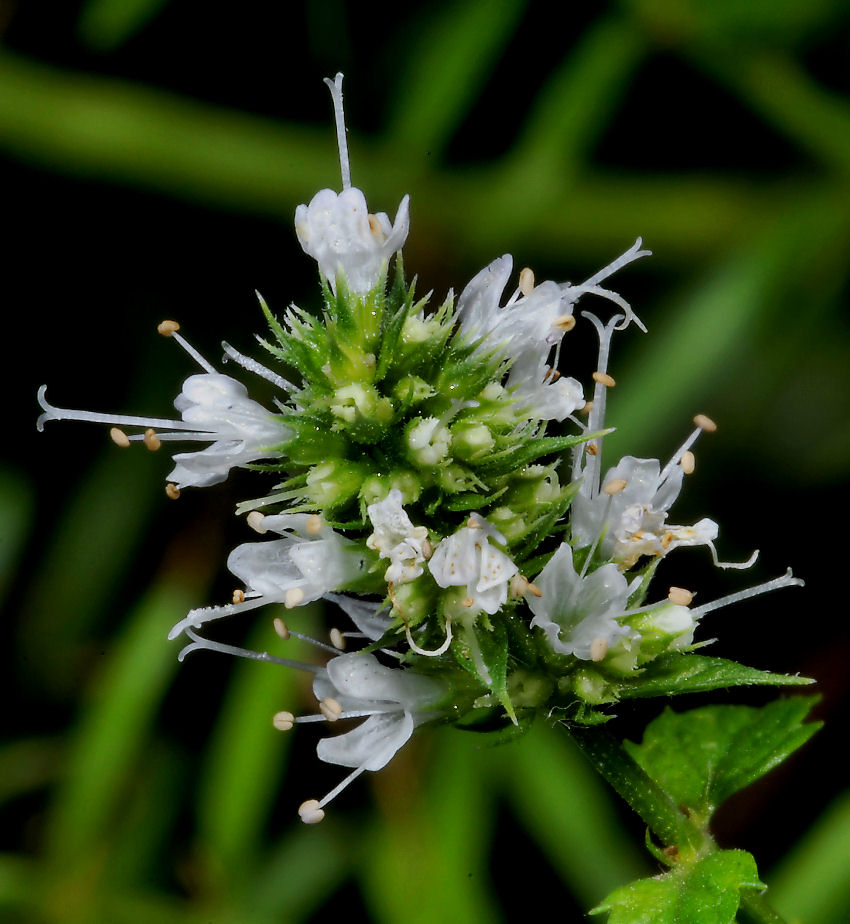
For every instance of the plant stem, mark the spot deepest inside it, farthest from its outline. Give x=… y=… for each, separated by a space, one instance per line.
x=661 y=814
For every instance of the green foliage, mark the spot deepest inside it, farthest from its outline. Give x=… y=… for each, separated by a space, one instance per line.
x=707 y=891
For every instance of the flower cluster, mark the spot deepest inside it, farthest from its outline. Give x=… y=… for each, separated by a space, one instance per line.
x=490 y=571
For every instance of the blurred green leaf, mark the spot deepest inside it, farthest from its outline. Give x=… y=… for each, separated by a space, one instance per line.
x=569 y=812
x=811 y=884
x=244 y=763
x=703 y=756
x=104 y=25
x=453 y=53
x=16 y=508
x=115 y=723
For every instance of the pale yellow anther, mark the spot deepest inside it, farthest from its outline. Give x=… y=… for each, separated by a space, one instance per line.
x=615 y=485
x=337 y=639
x=604 y=379
x=281 y=628
x=172 y=491
x=552 y=375
x=598 y=648
x=534 y=590
x=283 y=721
x=313 y=525
x=151 y=440
x=427 y=549
x=293 y=597
x=526 y=281
x=310 y=811
x=255 y=521
x=119 y=437
x=688 y=462
x=705 y=423
x=588 y=407
x=238 y=596
x=167 y=328
x=566 y=322
x=680 y=596
x=330 y=708
x=591 y=449
x=467 y=602
x=472 y=523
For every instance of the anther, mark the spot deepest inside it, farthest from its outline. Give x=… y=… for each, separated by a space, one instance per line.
x=337 y=639
x=172 y=491
x=283 y=721
x=598 y=648
x=167 y=328
x=255 y=521
x=588 y=407
x=552 y=375
x=680 y=596
x=615 y=485
x=472 y=523
x=566 y=322
x=330 y=708
x=313 y=526
x=119 y=437
x=310 y=811
x=281 y=628
x=604 y=379
x=427 y=549
x=591 y=449
x=293 y=597
x=526 y=281
x=151 y=440
x=238 y=596
x=534 y=590
x=705 y=423
x=467 y=602
x=518 y=586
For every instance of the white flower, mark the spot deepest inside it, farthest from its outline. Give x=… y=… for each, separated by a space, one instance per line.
x=394 y=702
x=579 y=613
x=310 y=560
x=337 y=230
x=633 y=521
x=215 y=409
x=466 y=558
x=395 y=537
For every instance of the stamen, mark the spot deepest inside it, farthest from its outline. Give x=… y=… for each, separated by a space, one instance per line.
x=688 y=462
x=705 y=423
x=526 y=281
x=283 y=721
x=680 y=596
x=167 y=328
x=330 y=708
x=604 y=379
x=337 y=639
x=293 y=597
x=335 y=87
x=565 y=323
x=310 y=812
x=238 y=596
x=313 y=525
x=119 y=437
x=678 y=456
x=172 y=491
x=255 y=521
x=598 y=648
x=151 y=440
x=192 y=351
x=281 y=628
x=786 y=580
x=614 y=486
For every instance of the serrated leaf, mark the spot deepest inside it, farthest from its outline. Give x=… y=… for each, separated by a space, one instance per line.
x=674 y=673
x=703 y=756
x=707 y=891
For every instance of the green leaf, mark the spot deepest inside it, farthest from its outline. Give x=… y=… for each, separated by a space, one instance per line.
x=707 y=891
x=674 y=673
x=703 y=756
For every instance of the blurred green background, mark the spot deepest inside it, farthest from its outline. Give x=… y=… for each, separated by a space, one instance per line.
x=153 y=152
